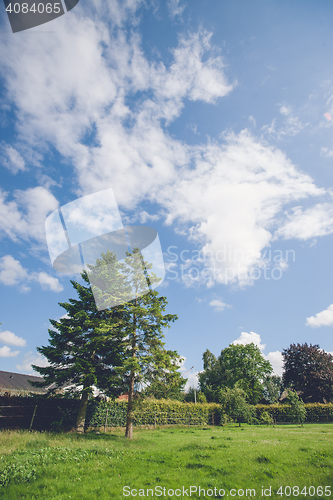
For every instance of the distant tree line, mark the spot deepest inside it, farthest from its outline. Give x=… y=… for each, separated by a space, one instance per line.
x=307 y=370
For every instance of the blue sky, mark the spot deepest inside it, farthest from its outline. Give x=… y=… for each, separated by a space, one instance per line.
x=212 y=122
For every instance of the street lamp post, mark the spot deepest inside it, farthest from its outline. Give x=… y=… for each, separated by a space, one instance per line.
x=195 y=391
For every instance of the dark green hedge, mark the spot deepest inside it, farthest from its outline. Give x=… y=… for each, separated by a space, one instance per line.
x=17 y=411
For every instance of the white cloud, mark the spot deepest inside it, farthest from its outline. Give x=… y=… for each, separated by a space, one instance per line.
x=248 y=338
x=190 y=375
x=290 y=126
x=24 y=216
x=326 y=152
x=29 y=359
x=12 y=159
x=309 y=223
x=242 y=186
x=323 y=318
x=13 y=273
x=12 y=339
x=174 y=8
x=5 y=352
x=47 y=282
x=219 y=305
x=192 y=381
x=276 y=360
x=241 y=182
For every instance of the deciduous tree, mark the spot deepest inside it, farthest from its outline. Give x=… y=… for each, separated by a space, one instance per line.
x=239 y=364
x=309 y=371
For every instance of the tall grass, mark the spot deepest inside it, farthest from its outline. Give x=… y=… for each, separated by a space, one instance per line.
x=97 y=466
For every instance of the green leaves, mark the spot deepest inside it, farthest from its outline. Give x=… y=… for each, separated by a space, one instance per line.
x=309 y=370
x=243 y=365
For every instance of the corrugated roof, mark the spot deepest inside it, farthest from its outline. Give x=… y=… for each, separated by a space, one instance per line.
x=19 y=382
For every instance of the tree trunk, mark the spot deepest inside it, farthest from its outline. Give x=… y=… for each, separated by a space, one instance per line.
x=81 y=416
x=129 y=420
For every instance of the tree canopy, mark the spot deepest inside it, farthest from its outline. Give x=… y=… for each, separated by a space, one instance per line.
x=309 y=371
x=238 y=365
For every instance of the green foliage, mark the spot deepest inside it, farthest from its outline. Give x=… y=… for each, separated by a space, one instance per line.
x=266 y=418
x=85 y=348
x=309 y=371
x=273 y=388
x=234 y=404
x=243 y=365
x=166 y=384
x=146 y=361
x=284 y=413
x=297 y=407
x=60 y=413
x=189 y=396
x=318 y=412
x=153 y=411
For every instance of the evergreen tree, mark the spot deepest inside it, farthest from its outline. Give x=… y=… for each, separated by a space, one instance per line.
x=145 y=359
x=117 y=348
x=85 y=348
x=145 y=324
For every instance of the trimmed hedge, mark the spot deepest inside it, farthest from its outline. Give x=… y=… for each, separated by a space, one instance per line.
x=150 y=412
x=315 y=412
x=60 y=413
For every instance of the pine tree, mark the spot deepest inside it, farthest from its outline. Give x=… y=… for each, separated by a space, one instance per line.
x=117 y=348
x=85 y=348
x=145 y=321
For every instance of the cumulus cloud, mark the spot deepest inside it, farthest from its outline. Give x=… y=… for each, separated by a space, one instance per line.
x=242 y=183
x=29 y=359
x=24 y=216
x=11 y=158
x=323 y=318
x=276 y=360
x=6 y=352
x=219 y=305
x=12 y=339
x=13 y=273
x=47 y=281
x=248 y=338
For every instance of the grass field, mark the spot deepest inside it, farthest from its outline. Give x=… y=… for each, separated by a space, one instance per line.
x=231 y=459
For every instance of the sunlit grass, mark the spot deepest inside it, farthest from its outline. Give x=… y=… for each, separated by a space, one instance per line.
x=69 y=466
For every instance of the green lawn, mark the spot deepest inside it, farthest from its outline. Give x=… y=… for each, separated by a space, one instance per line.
x=96 y=467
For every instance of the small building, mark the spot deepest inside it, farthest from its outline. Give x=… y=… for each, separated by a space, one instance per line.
x=17 y=383
x=123 y=397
